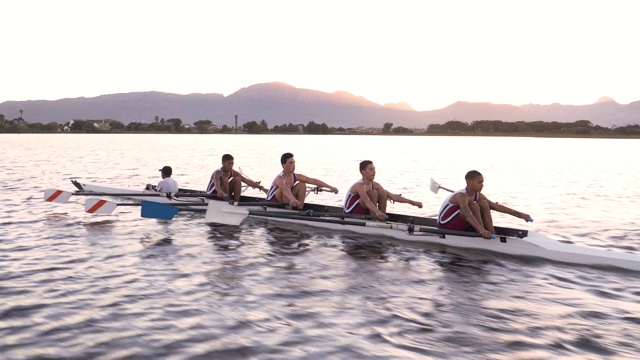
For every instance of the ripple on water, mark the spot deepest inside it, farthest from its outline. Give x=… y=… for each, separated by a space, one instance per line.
x=80 y=286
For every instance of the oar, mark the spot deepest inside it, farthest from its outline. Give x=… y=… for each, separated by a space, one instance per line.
x=221 y=213
x=245 y=175
x=150 y=209
x=155 y=210
x=317 y=189
x=311 y=213
x=102 y=206
x=259 y=203
x=57 y=196
x=417 y=230
x=245 y=187
x=61 y=196
x=435 y=187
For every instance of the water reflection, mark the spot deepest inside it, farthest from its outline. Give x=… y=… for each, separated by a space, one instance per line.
x=100 y=225
x=148 y=242
x=286 y=239
x=458 y=261
x=225 y=237
x=227 y=280
x=273 y=290
x=362 y=248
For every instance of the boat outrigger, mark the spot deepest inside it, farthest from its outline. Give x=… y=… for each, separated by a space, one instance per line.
x=413 y=229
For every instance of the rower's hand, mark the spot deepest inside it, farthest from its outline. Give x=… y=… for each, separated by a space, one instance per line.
x=263 y=189
x=486 y=234
x=380 y=216
x=525 y=217
x=222 y=195
x=333 y=189
x=417 y=203
x=295 y=203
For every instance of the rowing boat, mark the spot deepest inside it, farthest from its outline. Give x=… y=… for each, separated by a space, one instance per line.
x=137 y=194
x=414 y=229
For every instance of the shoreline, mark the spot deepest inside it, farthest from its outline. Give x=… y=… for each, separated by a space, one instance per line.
x=515 y=135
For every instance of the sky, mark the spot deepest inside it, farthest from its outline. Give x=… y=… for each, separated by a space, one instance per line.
x=428 y=54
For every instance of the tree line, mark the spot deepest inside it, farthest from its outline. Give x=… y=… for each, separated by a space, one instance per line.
x=452 y=127
x=160 y=125
x=580 y=127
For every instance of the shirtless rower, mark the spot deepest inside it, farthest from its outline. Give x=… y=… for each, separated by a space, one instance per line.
x=367 y=197
x=226 y=182
x=469 y=210
x=290 y=187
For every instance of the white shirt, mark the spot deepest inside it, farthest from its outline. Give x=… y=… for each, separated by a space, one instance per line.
x=167 y=185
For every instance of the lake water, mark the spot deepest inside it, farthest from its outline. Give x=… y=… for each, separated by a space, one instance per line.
x=79 y=286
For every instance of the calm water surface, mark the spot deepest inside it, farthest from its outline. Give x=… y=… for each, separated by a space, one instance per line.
x=79 y=286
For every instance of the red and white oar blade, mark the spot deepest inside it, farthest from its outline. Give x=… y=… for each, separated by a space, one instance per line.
x=56 y=196
x=434 y=186
x=99 y=206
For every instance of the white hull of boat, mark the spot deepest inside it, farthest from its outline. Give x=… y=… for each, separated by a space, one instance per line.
x=532 y=245
x=154 y=196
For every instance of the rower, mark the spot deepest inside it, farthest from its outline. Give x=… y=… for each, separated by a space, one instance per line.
x=167 y=184
x=469 y=210
x=367 y=197
x=226 y=182
x=291 y=187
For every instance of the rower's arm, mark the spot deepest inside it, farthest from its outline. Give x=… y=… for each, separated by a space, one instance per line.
x=252 y=183
x=507 y=210
x=366 y=201
x=217 y=180
x=461 y=200
x=282 y=185
x=399 y=198
x=316 y=182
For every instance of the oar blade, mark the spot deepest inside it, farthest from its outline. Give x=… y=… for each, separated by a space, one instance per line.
x=221 y=212
x=57 y=196
x=434 y=186
x=154 y=210
x=99 y=206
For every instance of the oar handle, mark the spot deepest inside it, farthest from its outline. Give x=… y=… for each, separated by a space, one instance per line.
x=195 y=194
x=444 y=188
x=313 y=214
x=432 y=230
x=317 y=189
x=375 y=217
x=260 y=203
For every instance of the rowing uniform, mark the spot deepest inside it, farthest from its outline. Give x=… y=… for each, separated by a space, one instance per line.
x=167 y=185
x=352 y=204
x=450 y=217
x=211 y=188
x=271 y=194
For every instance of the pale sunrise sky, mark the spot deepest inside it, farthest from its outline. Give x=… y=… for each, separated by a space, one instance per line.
x=429 y=54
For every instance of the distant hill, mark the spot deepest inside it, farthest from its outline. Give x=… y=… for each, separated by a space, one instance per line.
x=279 y=103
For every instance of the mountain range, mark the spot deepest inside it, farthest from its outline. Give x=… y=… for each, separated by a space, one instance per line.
x=279 y=103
